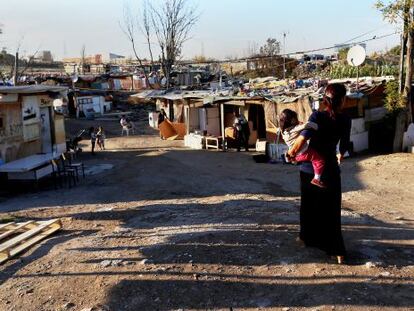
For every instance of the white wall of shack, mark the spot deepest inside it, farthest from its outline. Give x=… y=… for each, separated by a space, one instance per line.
x=20 y=135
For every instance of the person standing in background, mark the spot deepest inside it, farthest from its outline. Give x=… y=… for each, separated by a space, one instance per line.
x=100 y=138
x=242 y=131
x=162 y=116
x=92 y=135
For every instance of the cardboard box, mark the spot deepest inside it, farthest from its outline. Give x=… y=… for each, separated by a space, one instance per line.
x=194 y=141
x=261 y=146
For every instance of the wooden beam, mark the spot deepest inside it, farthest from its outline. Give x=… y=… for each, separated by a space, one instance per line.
x=16 y=229
x=5 y=226
x=36 y=231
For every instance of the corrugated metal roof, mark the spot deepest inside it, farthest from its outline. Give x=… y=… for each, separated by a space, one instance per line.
x=31 y=89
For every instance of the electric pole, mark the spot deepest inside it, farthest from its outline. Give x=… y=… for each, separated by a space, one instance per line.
x=16 y=69
x=284 y=55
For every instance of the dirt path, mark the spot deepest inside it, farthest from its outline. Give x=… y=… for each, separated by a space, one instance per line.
x=172 y=229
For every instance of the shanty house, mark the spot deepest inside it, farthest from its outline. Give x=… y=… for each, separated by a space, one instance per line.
x=93 y=102
x=212 y=114
x=28 y=122
x=209 y=113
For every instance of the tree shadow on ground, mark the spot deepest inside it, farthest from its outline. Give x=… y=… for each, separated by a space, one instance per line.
x=41 y=250
x=187 y=294
x=245 y=232
x=156 y=174
x=202 y=256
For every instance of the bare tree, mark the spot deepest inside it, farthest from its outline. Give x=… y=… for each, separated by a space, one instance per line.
x=172 y=23
x=129 y=27
x=252 y=48
x=2 y=77
x=146 y=30
x=15 y=71
x=28 y=64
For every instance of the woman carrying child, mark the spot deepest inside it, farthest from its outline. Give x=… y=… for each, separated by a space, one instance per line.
x=320 y=210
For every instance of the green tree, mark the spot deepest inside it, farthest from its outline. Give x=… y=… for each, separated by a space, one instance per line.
x=270 y=48
x=342 y=54
x=393 y=99
x=402 y=12
x=395 y=51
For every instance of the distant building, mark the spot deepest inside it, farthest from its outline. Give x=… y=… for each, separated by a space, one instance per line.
x=79 y=65
x=113 y=58
x=6 y=58
x=91 y=60
x=44 y=57
x=313 y=57
x=235 y=67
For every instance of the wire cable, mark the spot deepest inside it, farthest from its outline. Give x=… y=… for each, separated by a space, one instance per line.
x=239 y=60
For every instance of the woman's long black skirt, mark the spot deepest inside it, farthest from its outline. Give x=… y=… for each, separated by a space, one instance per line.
x=320 y=213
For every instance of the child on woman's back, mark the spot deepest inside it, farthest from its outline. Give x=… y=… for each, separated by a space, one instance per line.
x=291 y=129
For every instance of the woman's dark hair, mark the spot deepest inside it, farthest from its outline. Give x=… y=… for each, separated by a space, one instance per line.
x=288 y=118
x=333 y=98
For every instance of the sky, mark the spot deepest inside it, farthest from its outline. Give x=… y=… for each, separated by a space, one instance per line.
x=226 y=28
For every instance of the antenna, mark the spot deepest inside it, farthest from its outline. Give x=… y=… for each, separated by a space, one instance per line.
x=356 y=57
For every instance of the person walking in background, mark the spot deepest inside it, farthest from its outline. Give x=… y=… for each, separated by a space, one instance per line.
x=100 y=138
x=162 y=116
x=92 y=135
x=320 y=208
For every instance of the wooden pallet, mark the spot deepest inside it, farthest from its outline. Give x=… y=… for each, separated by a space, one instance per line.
x=17 y=237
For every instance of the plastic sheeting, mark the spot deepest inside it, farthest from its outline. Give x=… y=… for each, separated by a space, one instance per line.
x=171 y=130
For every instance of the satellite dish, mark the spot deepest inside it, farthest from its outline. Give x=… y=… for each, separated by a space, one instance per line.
x=75 y=78
x=356 y=56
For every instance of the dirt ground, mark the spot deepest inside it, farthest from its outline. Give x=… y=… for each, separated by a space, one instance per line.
x=169 y=228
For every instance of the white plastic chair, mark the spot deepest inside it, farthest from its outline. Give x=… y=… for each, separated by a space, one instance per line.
x=130 y=127
x=125 y=129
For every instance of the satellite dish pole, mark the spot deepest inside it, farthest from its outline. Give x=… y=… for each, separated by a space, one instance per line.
x=356 y=57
